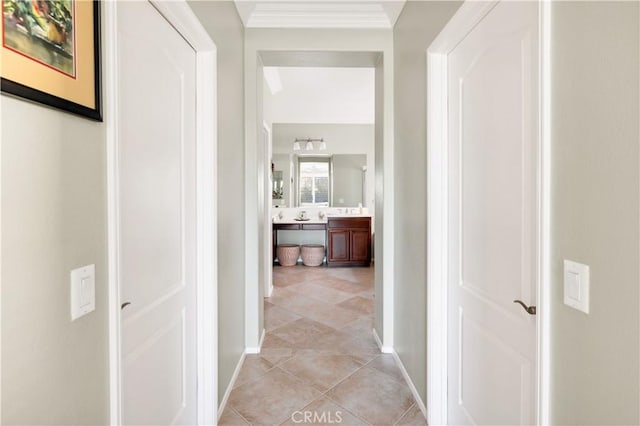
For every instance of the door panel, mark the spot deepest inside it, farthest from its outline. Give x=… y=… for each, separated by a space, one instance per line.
x=338 y=245
x=492 y=91
x=156 y=218
x=360 y=245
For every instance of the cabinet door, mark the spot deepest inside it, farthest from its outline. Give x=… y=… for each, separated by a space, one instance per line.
x=360 y=245
x=338 y=245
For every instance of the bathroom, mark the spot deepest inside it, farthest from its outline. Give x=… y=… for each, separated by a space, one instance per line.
x=321 y=125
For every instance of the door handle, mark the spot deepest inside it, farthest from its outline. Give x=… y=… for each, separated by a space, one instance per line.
x=531 y=310
x=124 y=305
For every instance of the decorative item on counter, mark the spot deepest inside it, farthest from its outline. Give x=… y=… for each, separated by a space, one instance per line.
x=302 y=216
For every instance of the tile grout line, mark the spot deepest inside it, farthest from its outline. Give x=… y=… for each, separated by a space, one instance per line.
x=298 y=379
x=324 y=394
x=395 y=423
x=239 y=415
x=403 y=382
x=357 y=335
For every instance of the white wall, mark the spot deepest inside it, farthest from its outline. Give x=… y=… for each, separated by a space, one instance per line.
x=54 y=371
x=221 y=21
x=333 y=40
x=595 y=138
x=340 y=139
x=415 y=29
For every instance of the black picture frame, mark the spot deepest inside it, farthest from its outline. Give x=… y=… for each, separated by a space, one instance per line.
x=25 y=92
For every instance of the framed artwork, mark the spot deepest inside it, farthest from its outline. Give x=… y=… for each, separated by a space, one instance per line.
x=51 y=53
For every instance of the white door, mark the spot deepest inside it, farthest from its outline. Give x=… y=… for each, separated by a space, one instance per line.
x=156 y=218
x=492 y=79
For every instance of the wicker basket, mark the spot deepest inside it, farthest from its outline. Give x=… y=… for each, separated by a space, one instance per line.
x=312 y=254
x=288 y=254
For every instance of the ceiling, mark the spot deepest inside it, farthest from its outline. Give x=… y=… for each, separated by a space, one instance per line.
x=319 y=13
x=320 y=95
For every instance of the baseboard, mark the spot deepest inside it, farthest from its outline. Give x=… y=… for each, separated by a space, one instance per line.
x=232 y=383
x=256 y=350
x=412 y=387
x=383 y=349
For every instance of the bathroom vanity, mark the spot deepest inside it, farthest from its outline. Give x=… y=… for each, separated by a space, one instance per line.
x=347 y=237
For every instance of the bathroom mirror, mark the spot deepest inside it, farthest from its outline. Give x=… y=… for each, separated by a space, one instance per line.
x=340 y=174
x=338 y=180
x=277 y=189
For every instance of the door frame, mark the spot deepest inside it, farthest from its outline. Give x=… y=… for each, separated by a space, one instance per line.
x=182 y=18
x=268 y=204
x=465 y=19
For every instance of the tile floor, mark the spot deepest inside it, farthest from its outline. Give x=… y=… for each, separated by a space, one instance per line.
x=319 y=358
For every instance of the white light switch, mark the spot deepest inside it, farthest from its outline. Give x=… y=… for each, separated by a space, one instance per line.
x=576 y=285
x=83 y=291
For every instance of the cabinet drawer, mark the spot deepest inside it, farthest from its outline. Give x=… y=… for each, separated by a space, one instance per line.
x=314 y=226
x=286 y=226
x=352 y=222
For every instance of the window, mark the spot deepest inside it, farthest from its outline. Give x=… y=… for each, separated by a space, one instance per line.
x=314 y=181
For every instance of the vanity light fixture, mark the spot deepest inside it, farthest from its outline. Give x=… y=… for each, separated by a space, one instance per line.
x=309 y=144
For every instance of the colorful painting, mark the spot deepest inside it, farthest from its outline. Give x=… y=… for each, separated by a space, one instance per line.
x=42 y=30
x=50 y=54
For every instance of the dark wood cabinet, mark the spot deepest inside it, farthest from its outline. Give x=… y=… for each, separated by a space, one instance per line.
x=339 y=242
x=349 y=241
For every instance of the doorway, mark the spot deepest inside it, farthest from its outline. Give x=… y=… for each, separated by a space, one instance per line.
x=323 y=136
x=470 y=280
x=383 y=209
x=164 y=167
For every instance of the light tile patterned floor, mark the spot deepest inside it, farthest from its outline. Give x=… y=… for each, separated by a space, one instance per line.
x=319 y=358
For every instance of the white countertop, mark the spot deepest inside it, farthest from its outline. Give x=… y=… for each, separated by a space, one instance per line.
x=316 y=220
x=286 y=221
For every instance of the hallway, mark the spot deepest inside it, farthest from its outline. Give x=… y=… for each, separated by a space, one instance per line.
x=319 y=362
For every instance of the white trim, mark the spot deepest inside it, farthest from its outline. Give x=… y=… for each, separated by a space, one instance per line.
x=110 y=29
x=359 y=14
x=256 y=349
x=383 y=349
x=207 y=283
x=232 y=383
x=437 y=240
x=469 y=14
x=268 y=203
x=544 y=289
x=412 y=387
x=181 y=17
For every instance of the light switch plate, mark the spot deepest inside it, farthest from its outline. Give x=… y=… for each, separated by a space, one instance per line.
x=83 y=291
x=576 y=285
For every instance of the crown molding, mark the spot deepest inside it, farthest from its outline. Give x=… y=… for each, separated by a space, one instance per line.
x=319 y=13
